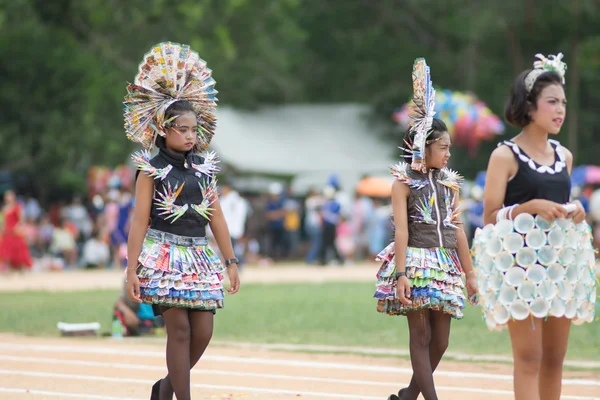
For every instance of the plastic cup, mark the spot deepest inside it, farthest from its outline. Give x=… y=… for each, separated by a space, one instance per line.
x=543 y=224
x=548 y=290
x=523 y=223
x=556 y=272
x=539 y=307
x=527 y=291
x=547 y=255
x=513 y=242
x=514 y=276
x=535 y=238
x=503 y=261
x=493 y=246
x=566 y=256
x=572 y=273
x=519 y=310
x=503 y=227
x=501 y=314
x=507 y=295
x=526 y=257
x=571 y=309
x=564 y=223
x=565 y=290
x=557 y=308
x=556 y=237
x=572 y=238
x=536 y=273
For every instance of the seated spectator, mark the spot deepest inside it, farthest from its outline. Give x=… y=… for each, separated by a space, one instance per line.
x=96 y=253
x=137 y=318
x=63 y=244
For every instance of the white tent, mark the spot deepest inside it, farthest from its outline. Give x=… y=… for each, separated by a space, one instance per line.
x=310 y=142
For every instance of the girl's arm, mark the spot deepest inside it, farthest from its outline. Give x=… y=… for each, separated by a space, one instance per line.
x=400 y=193
x=144 y=192
x=218 y=226
x=578 y=214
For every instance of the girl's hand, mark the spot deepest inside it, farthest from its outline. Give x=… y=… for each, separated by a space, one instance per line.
x=234 y=279
x=403 y=290
x=133 y=286
x=472 y=290
x=549 y=210
x=578 y=215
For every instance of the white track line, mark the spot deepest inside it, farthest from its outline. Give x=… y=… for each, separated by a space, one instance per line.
x=57 y=361
x=63 y=395
x=253 y=389
x=374 y=351
x=292 y=363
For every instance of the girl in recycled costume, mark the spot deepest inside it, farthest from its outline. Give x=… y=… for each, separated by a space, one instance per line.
x=533 y=259
x=171 y=105
x=423 y=269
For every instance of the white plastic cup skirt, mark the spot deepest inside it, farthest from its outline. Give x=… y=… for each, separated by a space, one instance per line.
x=531 y=267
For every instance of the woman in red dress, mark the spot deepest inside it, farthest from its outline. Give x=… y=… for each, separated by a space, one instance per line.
x=14 y=252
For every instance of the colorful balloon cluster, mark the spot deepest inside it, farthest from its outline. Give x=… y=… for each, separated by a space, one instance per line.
x=469 y=120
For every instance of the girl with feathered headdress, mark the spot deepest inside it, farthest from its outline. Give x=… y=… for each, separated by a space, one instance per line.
x=422 y=272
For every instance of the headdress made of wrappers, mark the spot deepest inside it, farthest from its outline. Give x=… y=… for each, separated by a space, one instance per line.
x=170 y=72
x=421 y=112
x=553 y=63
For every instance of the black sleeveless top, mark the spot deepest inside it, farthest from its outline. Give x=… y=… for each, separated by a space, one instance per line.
x=180 y=180
x=535 y=181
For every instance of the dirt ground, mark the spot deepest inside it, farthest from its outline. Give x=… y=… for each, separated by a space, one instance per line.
x=113 y=278
x=50 y=368
x=107 y=369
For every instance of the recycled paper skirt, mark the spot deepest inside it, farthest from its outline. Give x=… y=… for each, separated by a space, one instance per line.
x=180 y=271
x=435 y=277
x=532 y=267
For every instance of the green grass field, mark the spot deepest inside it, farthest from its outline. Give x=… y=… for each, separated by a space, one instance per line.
x=341 y=314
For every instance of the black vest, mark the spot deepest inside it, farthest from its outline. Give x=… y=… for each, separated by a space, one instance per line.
x=432 y=221
x=180 y=183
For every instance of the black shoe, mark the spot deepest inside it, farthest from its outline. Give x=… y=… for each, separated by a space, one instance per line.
x=155 y=390
x=393 y=397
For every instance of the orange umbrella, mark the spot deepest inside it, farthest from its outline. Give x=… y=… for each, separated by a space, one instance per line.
x=375 y=186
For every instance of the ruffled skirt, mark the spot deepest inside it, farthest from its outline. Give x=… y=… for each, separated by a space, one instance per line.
x=179 y=271
x=532 y=268
x=435 y=276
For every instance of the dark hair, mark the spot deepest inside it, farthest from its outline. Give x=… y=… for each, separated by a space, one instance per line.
x=175 y=109
x=521 y=102
x=438 y=128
